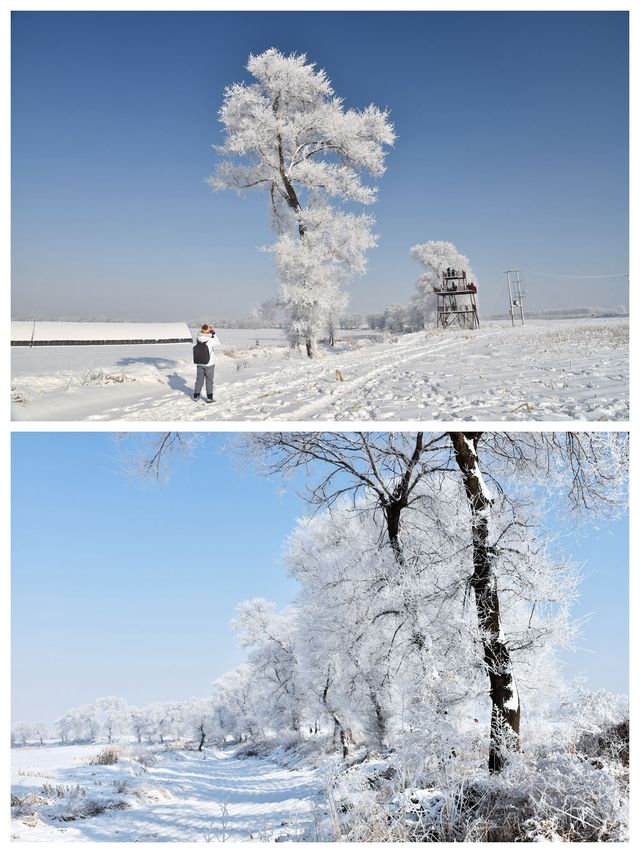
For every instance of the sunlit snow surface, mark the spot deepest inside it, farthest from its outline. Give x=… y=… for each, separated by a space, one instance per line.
x=548 y=370
x=183 y=797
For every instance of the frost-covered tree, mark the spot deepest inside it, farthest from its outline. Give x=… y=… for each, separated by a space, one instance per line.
x=165 y=720
x=267 y=315
x=114 y=716
x=237 y=702
x=288 y=133
x=200 y=720
x=270 y=638
x=63 y=727
x=357 y=627
x=436 y=256
x=21 y=733
x=382 y=633
x=79 y=724
x=41 y=731
x=140 y=723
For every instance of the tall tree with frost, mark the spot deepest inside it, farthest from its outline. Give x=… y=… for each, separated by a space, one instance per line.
x=234 y=694
x=288 y=133
x=270 y=638
x=114 y=716
x=436 y=256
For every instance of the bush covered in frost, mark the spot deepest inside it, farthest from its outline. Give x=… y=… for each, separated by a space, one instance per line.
x=570 y=783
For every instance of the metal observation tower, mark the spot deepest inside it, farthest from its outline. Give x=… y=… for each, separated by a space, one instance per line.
x=456 y=301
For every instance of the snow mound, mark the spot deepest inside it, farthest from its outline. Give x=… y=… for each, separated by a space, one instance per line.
x=153 y=795
x=131 y=373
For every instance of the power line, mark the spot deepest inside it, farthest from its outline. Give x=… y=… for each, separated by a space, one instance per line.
x=561 y=275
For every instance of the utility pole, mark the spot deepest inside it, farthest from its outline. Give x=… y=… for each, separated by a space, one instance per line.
x=516 y=301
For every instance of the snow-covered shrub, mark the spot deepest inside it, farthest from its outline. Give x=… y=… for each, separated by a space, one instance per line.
x=107 y=376
x=145 y=758
x=612 y=743
x=78 y=807
x=149 y=794
x=26 y=804
x=559 y=795
x=550 y=795
x=108 y=755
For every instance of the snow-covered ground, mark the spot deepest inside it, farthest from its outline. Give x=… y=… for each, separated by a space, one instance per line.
x=548 y=370
x=183 y=796
x=42 y=331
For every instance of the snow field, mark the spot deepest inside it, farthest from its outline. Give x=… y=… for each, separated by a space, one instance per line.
x=182 y=795
x=559 y=370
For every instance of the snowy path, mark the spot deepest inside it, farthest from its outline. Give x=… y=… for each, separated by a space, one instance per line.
x=302 y=390
x=545 y=371
x=180 y=799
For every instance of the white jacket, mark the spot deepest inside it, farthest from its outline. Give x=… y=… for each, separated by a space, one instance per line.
x=211 y=341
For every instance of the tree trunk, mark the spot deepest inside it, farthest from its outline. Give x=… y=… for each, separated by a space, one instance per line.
x=380 y=729
x=392 y=512
x=340 y=734
x=338 y=728
x=202 y=739
x=294 y=204
x=505 y=702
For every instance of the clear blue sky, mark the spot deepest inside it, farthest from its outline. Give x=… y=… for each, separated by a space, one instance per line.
x=512 y=143
x=126 y=589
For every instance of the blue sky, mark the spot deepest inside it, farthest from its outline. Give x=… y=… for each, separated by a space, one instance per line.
x=512 y=143
x=121 y=588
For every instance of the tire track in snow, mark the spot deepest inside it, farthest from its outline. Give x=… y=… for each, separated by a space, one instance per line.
x=244 y=400
x=368 y=381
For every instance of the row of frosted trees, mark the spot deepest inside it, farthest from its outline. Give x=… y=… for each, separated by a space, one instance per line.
x=432 y=596
x=111 y=719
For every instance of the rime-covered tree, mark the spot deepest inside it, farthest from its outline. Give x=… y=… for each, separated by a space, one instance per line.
x=79 y=724
x=271 y=638
x=140 y=723
x=237 y=702
x=21 y=733
x=288 y=133
x=114 y=716
x=165 y=720
x=200 y=720
x=41 y=731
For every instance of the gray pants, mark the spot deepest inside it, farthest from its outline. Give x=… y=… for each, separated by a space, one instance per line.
x=205 y=372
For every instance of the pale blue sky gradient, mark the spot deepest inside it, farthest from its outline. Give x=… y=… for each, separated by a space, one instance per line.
x=512 y=143
x=121 y=588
